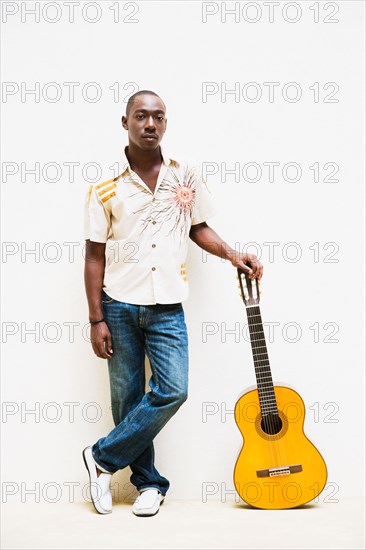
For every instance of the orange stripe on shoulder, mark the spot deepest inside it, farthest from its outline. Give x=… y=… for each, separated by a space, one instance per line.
x=104 y=183
x=103 y=199
x=106 y=189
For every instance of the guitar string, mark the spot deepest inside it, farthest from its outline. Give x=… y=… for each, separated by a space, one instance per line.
x=275 y=445
x=268 y=419
x=249 y=285
x=254 y=338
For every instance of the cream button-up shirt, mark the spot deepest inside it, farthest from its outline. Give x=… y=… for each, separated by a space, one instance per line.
x=146 y=233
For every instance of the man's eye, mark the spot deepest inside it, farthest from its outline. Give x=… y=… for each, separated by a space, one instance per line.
x=140 y=116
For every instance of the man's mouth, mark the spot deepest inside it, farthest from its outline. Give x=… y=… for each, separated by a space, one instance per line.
x=149 y=136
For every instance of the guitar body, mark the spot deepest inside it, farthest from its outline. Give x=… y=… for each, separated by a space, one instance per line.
x=276 y=470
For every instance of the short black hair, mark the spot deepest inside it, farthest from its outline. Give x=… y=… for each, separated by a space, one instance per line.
x=140 y=92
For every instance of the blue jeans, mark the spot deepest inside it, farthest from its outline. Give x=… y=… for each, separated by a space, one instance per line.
x=160 y=332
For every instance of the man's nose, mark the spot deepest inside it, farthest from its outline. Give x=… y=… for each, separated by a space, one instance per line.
x=150 y=122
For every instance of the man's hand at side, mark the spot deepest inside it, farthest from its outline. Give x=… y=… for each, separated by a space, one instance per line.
x=101 y=340
x=100 y=335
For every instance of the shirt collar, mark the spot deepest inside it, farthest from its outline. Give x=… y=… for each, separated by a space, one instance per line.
x=167 y=160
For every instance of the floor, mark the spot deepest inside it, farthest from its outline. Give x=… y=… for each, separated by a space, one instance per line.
x=182 y=524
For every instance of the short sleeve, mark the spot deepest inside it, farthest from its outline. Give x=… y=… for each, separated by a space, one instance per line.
x=96 y=218
x=205 y=204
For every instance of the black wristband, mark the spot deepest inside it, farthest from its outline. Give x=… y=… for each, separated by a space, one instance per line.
x=95 y=322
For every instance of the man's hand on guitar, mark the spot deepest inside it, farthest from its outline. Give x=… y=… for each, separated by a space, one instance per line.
x=255 y=270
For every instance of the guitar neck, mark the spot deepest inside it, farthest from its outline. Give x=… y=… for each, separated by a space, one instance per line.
x=263 y=374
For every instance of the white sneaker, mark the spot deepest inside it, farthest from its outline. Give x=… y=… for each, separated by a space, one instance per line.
x=99 y=486
x=148 y=503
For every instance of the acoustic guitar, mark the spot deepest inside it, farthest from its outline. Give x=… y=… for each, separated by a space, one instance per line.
x=278 y=467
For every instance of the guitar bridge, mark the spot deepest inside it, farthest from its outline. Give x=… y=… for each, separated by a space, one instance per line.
x=280 y=471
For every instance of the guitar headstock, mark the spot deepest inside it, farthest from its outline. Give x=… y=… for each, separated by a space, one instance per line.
x=249 y=288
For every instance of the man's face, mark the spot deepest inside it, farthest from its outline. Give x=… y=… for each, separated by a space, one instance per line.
x=146 y=122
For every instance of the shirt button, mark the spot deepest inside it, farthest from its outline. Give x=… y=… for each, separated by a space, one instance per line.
x=154 y=222
x=153 y=268
x=153 y=245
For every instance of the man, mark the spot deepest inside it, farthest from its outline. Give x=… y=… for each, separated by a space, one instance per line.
x=145 y=216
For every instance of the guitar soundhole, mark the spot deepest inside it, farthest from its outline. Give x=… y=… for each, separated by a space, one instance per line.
x=271 y=424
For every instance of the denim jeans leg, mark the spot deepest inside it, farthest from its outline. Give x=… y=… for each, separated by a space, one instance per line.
x=127 y=386
x=166 y=345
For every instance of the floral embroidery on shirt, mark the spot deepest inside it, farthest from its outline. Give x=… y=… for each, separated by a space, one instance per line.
x=174 y=203
x=184 y=197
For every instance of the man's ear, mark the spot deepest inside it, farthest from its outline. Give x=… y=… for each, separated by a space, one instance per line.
x=124 y=122
x=166 y=124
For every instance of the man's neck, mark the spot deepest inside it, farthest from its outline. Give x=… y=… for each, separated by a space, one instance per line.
x=143 y=160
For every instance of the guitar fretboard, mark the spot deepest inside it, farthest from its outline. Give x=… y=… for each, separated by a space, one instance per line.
x=263 y=374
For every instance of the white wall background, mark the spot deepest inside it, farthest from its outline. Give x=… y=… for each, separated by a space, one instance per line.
x=170 y=50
